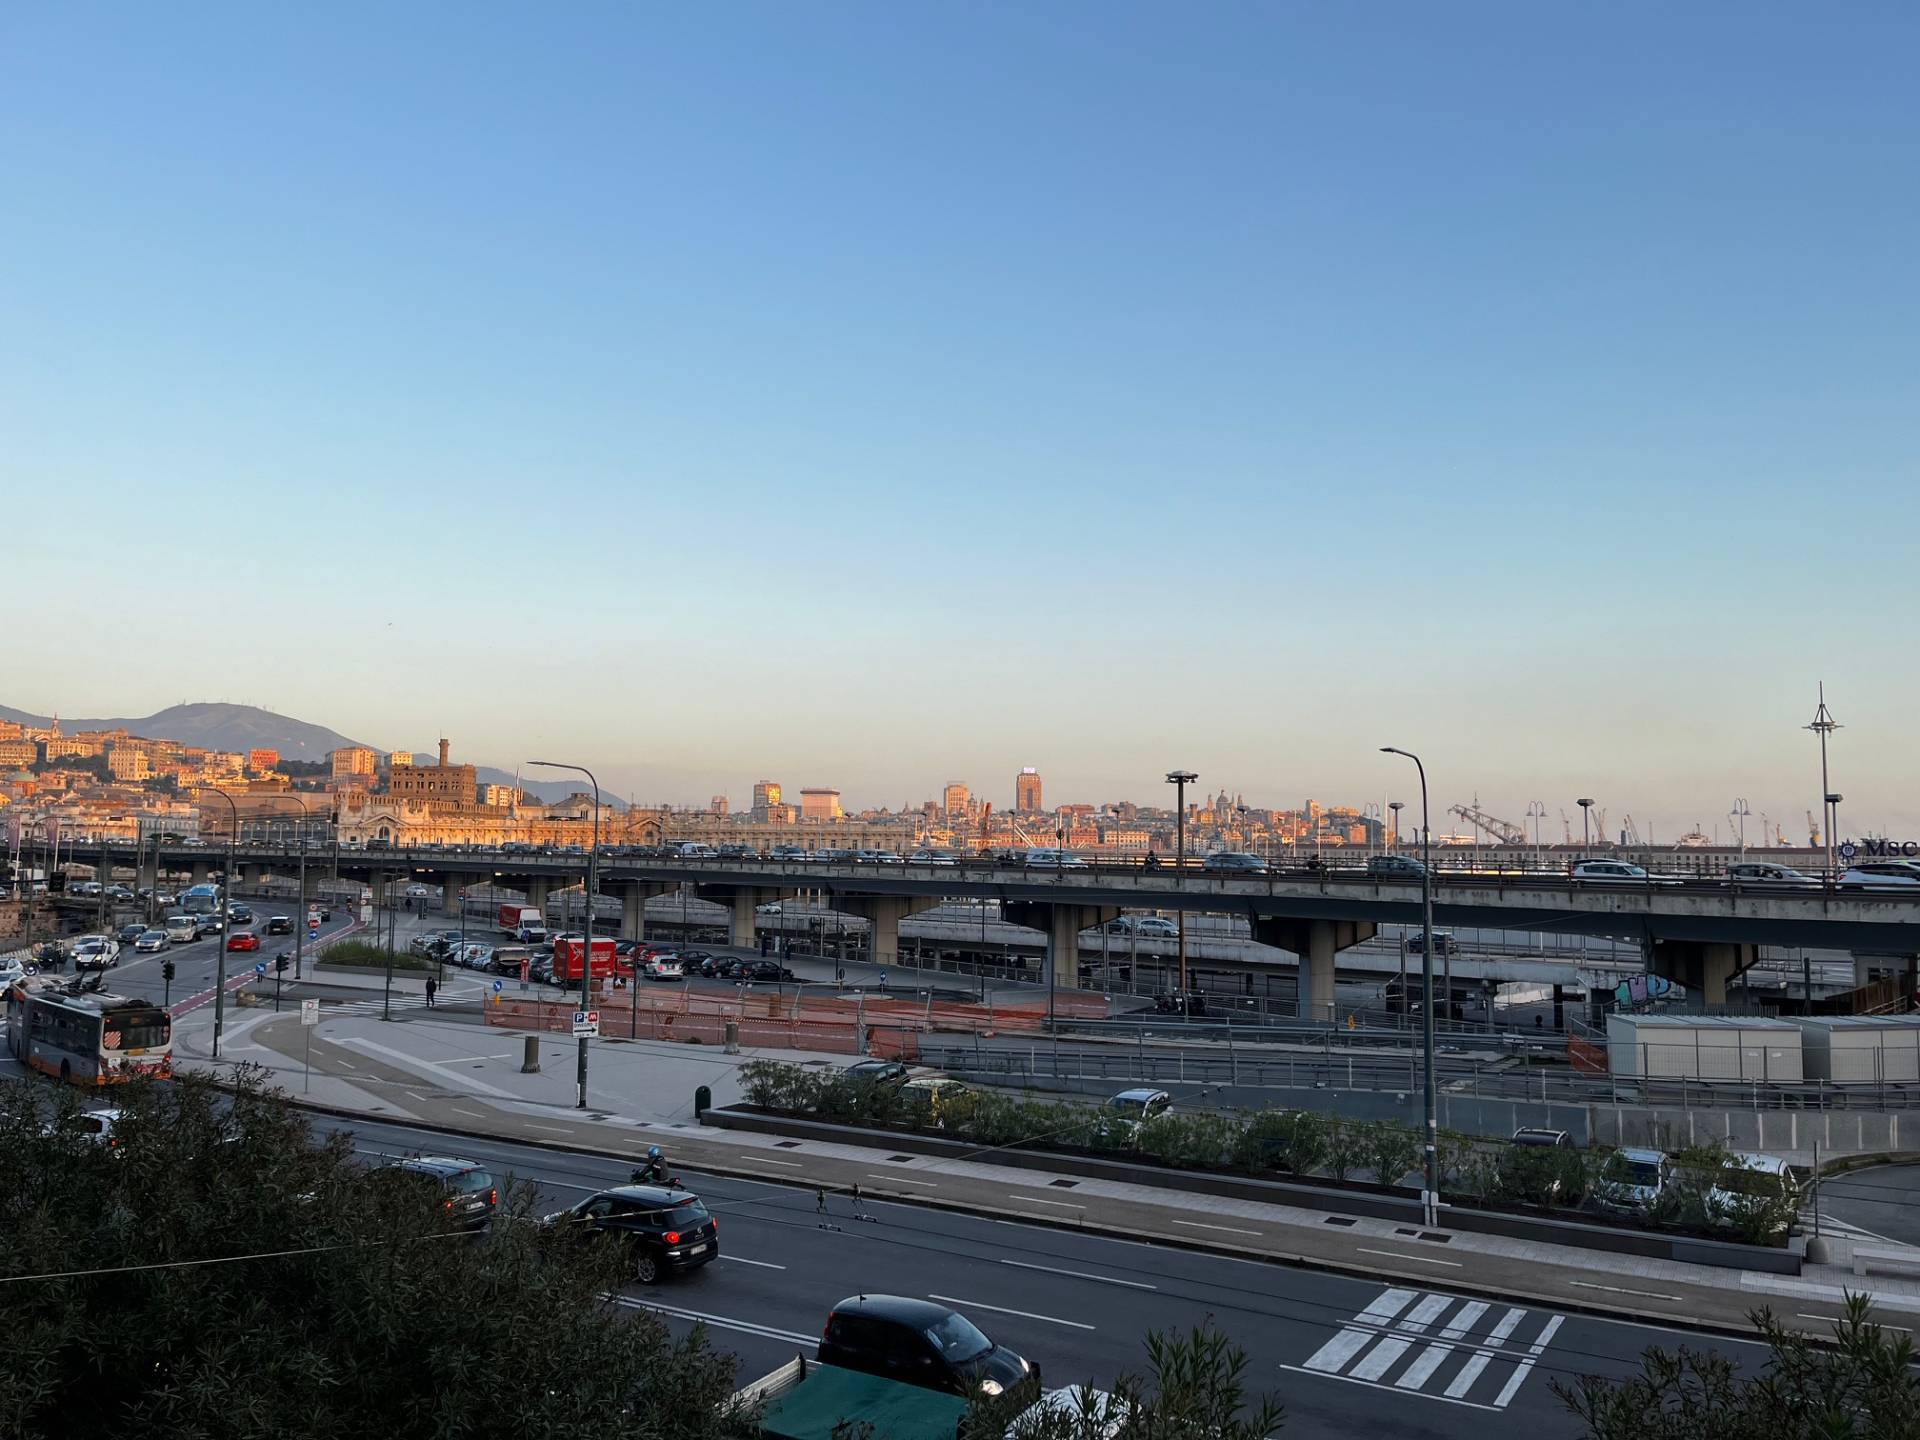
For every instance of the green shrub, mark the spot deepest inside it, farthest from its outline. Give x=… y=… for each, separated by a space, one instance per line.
x=1196 y=1141
x=1264 y=1141
x=1390 y=1150
x=360 y=954
x=1342 y=1151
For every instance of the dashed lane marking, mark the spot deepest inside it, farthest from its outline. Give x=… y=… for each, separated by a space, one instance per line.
x=1397 y=1255
x=1004 y=1310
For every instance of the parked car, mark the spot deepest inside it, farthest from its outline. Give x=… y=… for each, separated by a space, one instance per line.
x=1631 y=1181
x=935 y=1087
x=1395 y=867
x=1765 y=872
x=765 y=971
x=147 y=942
x=663 y=967
x=886 y=1072
x=725 y=967
x=1749 y=1183
x=1141 y=1104
x=1619 y=872
x=1873 y=874
x=1235 y=862
x=662 y=1230
x=467 y=1190
x=279 y=925
x=924 y=1344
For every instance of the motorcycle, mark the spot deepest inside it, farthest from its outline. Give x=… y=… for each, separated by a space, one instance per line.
x=656 y=1175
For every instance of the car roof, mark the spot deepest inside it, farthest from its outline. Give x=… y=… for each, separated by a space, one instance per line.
x=1765 y=1164
x=1142 y=1093
x=917 y=1313
x=649 y=1194
x=438 y=1164
x=1644 y=1157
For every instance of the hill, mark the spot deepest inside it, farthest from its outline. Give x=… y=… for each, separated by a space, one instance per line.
x=248 y=727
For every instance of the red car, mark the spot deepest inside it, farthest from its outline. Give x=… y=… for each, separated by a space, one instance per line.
x=243 y=940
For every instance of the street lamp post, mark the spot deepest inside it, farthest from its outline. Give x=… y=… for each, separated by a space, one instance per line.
x=1833 y=820
x=1739 y=815
x=1537 y=812
x=1396 y=806
x=226 y=901
x=1430 y=1201
x=1585 y=802
x=1823 y=725
x=1180 y=779
x=586 y=953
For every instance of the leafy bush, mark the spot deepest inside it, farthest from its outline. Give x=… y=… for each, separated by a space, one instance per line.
x=1196 y=1141
x=1342 y=1146
x=1390 y=1150
x=361 y=954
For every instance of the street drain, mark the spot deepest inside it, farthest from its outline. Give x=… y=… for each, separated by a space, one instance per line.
x=786 y=1144
x=1336 y=1220
x=1436 y=1238
x=900 y=1159
x=1063 y=1184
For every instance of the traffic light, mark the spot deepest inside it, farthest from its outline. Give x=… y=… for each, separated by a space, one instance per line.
x=280 y=962
x=166 y=969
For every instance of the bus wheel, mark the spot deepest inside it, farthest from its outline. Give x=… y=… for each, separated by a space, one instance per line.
x=66 y=1072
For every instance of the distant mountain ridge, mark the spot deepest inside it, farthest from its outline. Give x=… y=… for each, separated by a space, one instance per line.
x=248 y=727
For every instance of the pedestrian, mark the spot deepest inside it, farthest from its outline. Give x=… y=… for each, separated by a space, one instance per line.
x=883 y=982
x=432 y=986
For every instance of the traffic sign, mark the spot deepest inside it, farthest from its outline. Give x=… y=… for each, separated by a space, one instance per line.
x=259 y=967
x=313 y=924
x=498 y=986
x=586 y=1022
x=309 y=1012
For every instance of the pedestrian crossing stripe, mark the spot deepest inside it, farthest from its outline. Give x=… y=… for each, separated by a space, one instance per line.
x=1407 y=1341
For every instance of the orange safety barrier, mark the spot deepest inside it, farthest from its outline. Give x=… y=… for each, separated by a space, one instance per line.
x=664 y=1022
x=1586 y=1057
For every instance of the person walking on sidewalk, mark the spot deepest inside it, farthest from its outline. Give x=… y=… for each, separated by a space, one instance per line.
x=432 y=986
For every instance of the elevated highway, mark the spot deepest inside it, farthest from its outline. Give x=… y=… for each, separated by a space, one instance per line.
x=1701 y=933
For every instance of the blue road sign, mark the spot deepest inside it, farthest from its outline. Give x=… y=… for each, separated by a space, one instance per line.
x=498 y=986
x=259 y=967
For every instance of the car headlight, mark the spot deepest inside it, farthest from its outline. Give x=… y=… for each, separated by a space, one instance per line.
x=990 y=1387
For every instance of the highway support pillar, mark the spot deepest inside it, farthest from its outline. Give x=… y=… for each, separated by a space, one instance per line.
x=450 y=902
x=744 y=905
x=883 y=914
x=537 y=892
x=1706 y=967
x=634 y=895
x=200 y=869
x=1063 y=925
x=1317 y=943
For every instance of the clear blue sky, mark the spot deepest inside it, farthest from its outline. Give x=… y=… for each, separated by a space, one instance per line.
x=881 y=395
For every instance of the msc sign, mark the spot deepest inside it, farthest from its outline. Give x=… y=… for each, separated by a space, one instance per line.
x=1884 y=848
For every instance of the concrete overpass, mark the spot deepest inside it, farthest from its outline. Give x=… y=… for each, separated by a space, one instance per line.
x=1702 y=933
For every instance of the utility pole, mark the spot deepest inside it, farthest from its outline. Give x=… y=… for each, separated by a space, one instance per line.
x=1585 y=802
x=1430 y=1201
x=1180 y=779
x=586 y=957
x=226 y=901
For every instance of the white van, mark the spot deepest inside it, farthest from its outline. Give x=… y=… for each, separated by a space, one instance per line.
x=183 y=928
x=1047 y=858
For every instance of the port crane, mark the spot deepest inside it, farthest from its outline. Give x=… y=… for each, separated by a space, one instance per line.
x=1503 y=831
x=1633 y=833
x=1813 y=832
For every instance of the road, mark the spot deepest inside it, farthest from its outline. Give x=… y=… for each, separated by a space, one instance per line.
x=1418 y=1363
x=1879 y=1201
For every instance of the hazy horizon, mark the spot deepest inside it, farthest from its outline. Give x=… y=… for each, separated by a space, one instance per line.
x=877 y=398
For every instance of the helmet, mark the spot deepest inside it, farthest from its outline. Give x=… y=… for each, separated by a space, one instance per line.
x=653 y=1152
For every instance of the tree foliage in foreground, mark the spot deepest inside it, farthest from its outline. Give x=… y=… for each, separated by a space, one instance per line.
x=1196 y=1389
x=384 y=1325
x=1862 y=1387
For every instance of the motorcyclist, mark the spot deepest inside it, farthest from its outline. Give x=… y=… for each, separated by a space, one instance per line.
x=654 y=1172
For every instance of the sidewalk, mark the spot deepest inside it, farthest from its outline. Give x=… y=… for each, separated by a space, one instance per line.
x=454 y=1075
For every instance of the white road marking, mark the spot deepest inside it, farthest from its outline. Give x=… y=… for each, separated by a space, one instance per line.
x=1469 y=1373
x=1333 y=1356
x=1505 y=1327
x=1003 y=1310
x=742 y=1260
x=1223 y=1229
x=1835 y=1320
x=1042 y=1200
x=1377 y=1361
x=725 y=1322
x=901 y=1179
x=1376 y=1385
x=1423 y=1366
x=550 y=1129
x=1520 y=1372
x=458 y=1110
x=1426 y=1312
x=1468 y=1316
x=762 y=1160
x=464 y=1059
x=1082 y=1274
x=1396 y=1255
x=1386 y=1305
x=1615 y=1289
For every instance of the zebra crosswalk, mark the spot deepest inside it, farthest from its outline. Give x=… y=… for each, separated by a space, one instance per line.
x=1469 y=1352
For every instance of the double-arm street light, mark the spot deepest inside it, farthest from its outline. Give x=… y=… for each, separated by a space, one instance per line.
x=1180 y=779
x=593 y=875
x=226 y=905
x=1430 y=1200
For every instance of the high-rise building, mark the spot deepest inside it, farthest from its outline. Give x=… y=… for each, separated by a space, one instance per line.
x=954 y=801
x=717 y=807
x=129 y=764
x=352 y=763
x=820 y=803
x=499 y=795
x=766 y=798
x=400 y=757
x=1026 y=791
x=262 y=760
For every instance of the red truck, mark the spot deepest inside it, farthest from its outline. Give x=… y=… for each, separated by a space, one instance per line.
x=523 y=922
x=566 y=958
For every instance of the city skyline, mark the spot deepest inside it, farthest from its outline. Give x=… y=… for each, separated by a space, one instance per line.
x=1561 y=817
x=880 y=399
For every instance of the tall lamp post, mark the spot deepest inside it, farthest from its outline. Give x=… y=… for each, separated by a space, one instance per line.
x=1430 y=1201
x=593 y=876
x=1585 y=802
x=300 y=906
x=1536 y=812
x=1396 y=806
x=1823 y=725
x=226 y=901
x=1739 y=815
x=1180 y=779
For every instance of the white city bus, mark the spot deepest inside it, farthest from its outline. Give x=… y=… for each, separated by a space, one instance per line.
x=86 y=1037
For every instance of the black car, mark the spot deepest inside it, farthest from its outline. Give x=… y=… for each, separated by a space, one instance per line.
x=466 y=1189
x=695 y=960
x=924 y=1344
x=279 y=925
x=663 y=1230
x=888 y=1072
x=130 y=933
x=725 y=967
x=766 y=970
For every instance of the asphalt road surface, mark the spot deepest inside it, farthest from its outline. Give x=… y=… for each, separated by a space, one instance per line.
x=1883 y=1200
x=1342 y=1353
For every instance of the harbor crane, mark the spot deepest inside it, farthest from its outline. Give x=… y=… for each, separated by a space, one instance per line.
x=1633 y=833
x=1504 y=832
